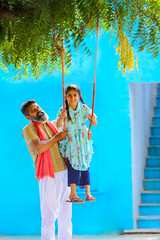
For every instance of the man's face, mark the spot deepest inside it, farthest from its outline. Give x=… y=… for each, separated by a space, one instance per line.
x=36 y=113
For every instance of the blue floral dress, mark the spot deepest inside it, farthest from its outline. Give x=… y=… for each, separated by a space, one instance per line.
x=76 y=147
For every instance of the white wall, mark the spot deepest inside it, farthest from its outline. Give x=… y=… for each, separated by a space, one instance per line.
x=142 y=102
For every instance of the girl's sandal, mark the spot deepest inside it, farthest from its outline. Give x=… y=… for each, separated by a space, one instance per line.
x=76 y=200
x=89 y=199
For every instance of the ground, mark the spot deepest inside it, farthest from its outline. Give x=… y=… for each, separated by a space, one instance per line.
x=98 y=237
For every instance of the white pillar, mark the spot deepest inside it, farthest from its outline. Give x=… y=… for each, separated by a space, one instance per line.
x=142 y=102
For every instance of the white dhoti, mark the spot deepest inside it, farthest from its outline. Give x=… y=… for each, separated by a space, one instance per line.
x=53 y=195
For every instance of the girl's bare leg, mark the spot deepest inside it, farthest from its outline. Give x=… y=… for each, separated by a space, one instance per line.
x=73 y=193
x=88 y=193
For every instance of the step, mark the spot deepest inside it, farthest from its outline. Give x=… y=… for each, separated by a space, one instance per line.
x=154 y=151
x=150 y=197
x=158 y=91
x=151 y=184
x=158 y=101
x=148 y=222
x=154 y=141
x=153 y=161
x=151 y=173
x=155 y=131
x=149 y=209
x=156 y=121
x=157 y=110
x=140 y=231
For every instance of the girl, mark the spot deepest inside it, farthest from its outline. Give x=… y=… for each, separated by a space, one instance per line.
x=77 y=147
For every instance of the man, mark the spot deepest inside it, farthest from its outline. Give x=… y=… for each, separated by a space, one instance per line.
x=42 y=138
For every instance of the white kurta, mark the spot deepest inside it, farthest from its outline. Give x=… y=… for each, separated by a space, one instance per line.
x=53 y=195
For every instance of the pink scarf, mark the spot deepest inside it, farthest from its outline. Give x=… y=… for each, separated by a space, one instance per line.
x=44 y=166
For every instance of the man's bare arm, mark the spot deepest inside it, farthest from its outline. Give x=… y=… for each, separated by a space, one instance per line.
x=40 y=146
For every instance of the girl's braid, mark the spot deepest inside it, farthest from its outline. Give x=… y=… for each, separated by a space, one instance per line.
x=67 y=108
x=80 y=97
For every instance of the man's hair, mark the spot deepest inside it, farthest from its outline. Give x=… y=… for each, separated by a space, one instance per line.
x=25 y=106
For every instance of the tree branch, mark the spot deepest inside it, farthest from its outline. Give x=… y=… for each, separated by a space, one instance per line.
x=83 y=30
x=7 y=14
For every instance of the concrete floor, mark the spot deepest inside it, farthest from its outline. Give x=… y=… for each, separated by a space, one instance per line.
x=98 y=237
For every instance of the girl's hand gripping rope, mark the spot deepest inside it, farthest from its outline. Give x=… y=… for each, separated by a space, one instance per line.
x=93 y=120
x=60 y=120
x=63 y=114
x=89 y=135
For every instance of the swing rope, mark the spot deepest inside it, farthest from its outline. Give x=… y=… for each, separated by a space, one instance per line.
x=63 y=83
x=94 y=83
x=60 y=49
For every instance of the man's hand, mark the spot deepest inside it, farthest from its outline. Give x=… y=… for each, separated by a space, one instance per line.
x=61 y=135
x=40 y=146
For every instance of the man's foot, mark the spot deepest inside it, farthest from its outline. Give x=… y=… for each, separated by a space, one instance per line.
x=89 y=197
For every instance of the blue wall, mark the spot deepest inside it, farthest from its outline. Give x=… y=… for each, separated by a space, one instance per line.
x=111 y=164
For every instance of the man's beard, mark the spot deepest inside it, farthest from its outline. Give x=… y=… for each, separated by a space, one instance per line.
x=41 y=117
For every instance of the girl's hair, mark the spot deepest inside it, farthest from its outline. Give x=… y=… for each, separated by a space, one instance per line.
x=72 y=87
